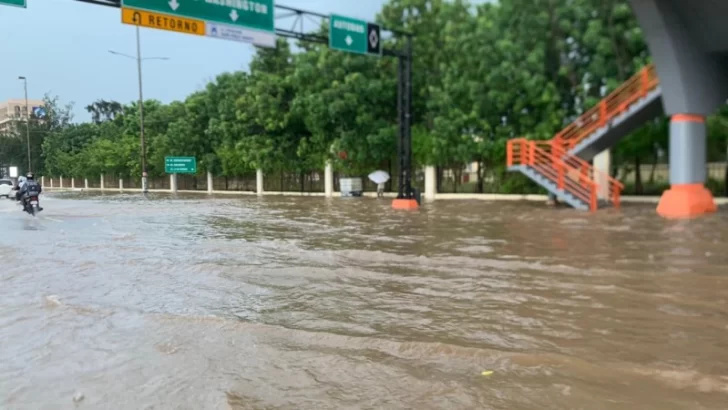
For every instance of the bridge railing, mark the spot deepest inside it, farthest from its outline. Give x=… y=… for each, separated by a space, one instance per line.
x=540 y=155
x=617 y=102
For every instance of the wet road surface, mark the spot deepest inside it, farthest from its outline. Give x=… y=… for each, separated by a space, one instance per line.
x=303 y=303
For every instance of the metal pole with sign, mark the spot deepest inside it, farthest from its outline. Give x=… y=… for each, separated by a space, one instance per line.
x=142 y=143
x=143 y=147
x=254 y=22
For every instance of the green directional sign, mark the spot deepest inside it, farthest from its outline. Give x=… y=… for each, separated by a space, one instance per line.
x=354 y=36
x=255 y=14
x=15 y=3
x=180 y=165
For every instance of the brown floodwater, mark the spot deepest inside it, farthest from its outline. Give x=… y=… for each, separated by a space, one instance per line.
x=192 y=302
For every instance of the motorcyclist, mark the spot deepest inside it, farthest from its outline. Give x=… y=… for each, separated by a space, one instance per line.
x=30 y=188
x=21 y=182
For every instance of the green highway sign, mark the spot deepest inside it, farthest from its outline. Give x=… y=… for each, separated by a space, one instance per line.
x=354 y=36
x=254 y=14
x=16 y=3
x=180 y=165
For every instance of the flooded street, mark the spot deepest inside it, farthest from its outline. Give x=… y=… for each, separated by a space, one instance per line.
x=307 y=303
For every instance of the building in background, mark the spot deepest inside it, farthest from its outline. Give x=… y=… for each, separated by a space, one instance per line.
x=15 y=110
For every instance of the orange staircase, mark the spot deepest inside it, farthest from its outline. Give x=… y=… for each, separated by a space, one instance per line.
x=561 y=165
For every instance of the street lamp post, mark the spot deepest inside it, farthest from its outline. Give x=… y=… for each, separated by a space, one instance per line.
x=27 y=120
x=139 y=59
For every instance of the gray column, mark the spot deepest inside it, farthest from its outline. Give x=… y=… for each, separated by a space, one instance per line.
x=430 y=183
x=328 y=179
x=687 y=149
x=602 y=167
x=687 y=196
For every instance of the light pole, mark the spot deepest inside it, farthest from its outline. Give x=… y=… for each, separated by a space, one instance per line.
x=139 y=59
x=27 y=120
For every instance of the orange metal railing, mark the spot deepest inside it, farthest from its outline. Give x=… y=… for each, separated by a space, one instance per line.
x=568 y=172
x=611 y=106
x=573 y=174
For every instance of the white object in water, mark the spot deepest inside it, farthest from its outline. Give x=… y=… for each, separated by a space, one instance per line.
x=379 y=177
x=350 y=186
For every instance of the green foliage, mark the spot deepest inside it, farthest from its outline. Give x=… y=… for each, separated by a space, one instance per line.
x=481 y=75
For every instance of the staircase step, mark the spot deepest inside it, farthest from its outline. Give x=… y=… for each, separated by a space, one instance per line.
x=550 y=186
x=635 y=116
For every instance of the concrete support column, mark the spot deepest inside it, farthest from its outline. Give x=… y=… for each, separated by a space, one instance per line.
x=259 y=182
x=121 y=184
x=102 y=182
x=329 y=180
x=602 y=166
x=60 y=182
x=687 y=196
x=85 y=183
x=51 y=182
x=73 y=183
x=42 y=181
x=209 y=182
x=173 y=183
x=430 y=183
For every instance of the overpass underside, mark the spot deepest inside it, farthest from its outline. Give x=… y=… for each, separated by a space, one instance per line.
x=688 y=40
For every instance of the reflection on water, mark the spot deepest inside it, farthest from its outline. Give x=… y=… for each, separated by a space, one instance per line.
x=249 y=303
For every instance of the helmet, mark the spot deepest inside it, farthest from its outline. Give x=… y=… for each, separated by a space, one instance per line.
x=30 y=176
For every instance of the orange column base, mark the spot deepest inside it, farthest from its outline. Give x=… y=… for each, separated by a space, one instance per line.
x=686 y=201
x=405 y=204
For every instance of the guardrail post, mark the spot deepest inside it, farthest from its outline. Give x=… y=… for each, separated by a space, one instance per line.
x=523 y=160
x=644 y=81
x=531 y=153
x=602 y=113
x=560 y=168
x=593 y=198
x=509 y=154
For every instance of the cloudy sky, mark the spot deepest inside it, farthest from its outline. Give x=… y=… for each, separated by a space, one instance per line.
x=62 y=47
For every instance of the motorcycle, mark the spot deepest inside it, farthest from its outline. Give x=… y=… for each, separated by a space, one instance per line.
x=31 y=205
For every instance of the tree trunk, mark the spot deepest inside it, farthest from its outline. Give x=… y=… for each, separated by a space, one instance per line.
x=457 y=173
x=638 y=188
x=652 y=171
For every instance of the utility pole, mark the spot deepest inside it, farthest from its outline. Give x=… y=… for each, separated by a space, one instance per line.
x=141 y=113
x=138 y=58
x=27 y=120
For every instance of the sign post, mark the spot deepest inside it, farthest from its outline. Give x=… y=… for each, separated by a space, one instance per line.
x=354 y=36
x=249 y=21
x=14 y=3
x=180 y=165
